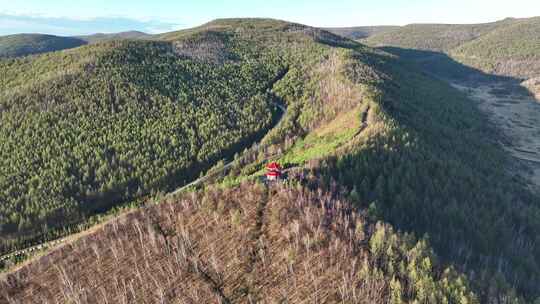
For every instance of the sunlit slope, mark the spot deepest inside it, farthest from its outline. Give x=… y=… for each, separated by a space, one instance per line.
x=508 y=47
x=85 y=129
x=436 y=37
x=510 y=50
x=389 y=142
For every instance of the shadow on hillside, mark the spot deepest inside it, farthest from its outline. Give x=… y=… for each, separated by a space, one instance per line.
x=442 y=66
x=451 y=184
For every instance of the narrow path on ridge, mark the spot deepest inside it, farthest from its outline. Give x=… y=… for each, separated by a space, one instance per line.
x=202 y=179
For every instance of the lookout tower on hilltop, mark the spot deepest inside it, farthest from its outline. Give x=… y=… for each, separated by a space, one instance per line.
x=273 y=171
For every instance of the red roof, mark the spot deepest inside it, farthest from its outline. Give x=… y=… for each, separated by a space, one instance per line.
x=273 y=173
x=273 y=166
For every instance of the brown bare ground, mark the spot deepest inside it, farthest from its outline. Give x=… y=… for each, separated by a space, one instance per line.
x=516 y=113
x=250 y=244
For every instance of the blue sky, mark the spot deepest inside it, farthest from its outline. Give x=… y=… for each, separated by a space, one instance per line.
x=76 y=17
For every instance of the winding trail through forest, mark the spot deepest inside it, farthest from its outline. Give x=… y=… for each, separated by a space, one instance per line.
x=196 y=182
x=203 y=179
x=516 y=112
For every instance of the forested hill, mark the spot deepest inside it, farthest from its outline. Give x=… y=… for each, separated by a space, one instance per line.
x=507 y=47
x=85 y=129
x=369 y=142
x=114 y=36
x=360 y=32
x=435 y=37
x=28 y=44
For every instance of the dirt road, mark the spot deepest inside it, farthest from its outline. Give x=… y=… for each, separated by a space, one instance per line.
x=193 y=183
x=226 y=166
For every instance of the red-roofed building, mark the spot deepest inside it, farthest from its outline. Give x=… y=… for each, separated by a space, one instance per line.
x=273 y=171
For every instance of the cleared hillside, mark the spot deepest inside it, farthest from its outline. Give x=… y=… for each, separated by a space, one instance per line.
x=248 y=244
x=383 y=138
x=29 y=44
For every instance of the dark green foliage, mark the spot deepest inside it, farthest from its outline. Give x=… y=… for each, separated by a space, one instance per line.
x=28 y=44
x=84 y=130
x=432 y=169
x=508 y=47
x=510 y=50
x=95 y=38
x=361 y=32
x=88 y=129
x=435 y=37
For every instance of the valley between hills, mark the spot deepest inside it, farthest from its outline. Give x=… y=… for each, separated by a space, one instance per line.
x=411 y=173
x=516 y=112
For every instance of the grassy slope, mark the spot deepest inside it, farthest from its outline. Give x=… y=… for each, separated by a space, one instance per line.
x=28 y=44
x=424 y=163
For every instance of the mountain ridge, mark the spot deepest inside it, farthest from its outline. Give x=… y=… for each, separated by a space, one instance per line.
x=18 y=45
x=99 y=37
x=30 y=44
x=366 y=136
x=360 y=32
x=502 y=47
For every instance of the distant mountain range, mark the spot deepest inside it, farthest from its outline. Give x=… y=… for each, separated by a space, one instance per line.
x=507 y=47
x=361 y=32
x=29 y=44
x=114 y=36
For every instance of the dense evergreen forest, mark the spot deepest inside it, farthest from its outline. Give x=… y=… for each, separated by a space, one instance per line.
x=507 y=47
x=433 y=167
x=85 y=129
x=30 y=44
x=104 y=123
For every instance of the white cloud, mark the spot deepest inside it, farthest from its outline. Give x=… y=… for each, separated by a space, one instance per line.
x=24 y=23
